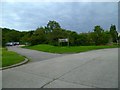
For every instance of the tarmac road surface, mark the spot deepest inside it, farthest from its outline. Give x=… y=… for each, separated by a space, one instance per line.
x=33 y=55
x=93 y=69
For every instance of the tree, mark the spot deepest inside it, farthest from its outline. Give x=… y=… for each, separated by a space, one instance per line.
x=106 y=37
x=38 y=37
x=114 y=33
x=98 y=35
x=10 y=35
x=84 y=39
x=26 y=37
x=53 y=31
x=52 y=25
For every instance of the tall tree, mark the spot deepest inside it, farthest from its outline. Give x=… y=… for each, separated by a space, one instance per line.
x=84 y=39
x=98 y=35
x=114 y=33
x=38 y=37
x=54 y=32
x=52 y=25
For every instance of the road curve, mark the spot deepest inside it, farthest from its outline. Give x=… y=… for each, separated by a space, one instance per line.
x=33 y=55
x=93 y=69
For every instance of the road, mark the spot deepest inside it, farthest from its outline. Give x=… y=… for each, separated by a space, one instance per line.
x=33 y=55
x=93 y=69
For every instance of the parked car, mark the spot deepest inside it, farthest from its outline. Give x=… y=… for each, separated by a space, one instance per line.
x=9 y=44
x=12 y=43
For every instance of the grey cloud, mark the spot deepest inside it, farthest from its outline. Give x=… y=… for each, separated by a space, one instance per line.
x=80 y=17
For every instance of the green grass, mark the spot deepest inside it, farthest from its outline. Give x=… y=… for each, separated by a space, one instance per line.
x=10 y=58
x=65 y=49
x=0 y=56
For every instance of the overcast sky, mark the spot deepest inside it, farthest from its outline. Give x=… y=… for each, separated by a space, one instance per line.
x=76 y=16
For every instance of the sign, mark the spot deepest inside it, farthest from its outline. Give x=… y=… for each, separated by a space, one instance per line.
x=63 y=40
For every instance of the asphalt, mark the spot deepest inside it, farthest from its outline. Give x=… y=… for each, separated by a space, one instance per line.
x=1 y=79
x=34 y=55
x=93 y=69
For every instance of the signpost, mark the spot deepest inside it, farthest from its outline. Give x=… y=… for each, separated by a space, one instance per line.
x=64 y=40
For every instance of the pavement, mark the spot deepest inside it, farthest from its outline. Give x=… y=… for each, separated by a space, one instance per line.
x=33 y=55
x=93 y=69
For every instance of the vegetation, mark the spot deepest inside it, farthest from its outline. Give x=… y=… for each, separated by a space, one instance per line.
x=10 y=58
x=114 y=33
x=47 y=36
x=50 y=34
x=0 y=56
x=65 y=49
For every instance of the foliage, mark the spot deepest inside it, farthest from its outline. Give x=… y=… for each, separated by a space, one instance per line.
x=52 y=25
x=50 y=34
x=100 y=36
x=114 y=33
x=9 y=35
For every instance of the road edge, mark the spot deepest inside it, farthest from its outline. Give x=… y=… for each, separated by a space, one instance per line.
x=15 y=65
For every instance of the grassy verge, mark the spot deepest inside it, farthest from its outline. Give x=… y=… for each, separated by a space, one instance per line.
x=10 y=58
x=71 y=49
x=0 y=56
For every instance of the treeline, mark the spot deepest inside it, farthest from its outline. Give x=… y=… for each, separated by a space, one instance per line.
x=50 y=34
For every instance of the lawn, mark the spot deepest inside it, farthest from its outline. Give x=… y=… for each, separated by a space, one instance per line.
x=66 y=49
x=0 y=56
x=10 y=58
